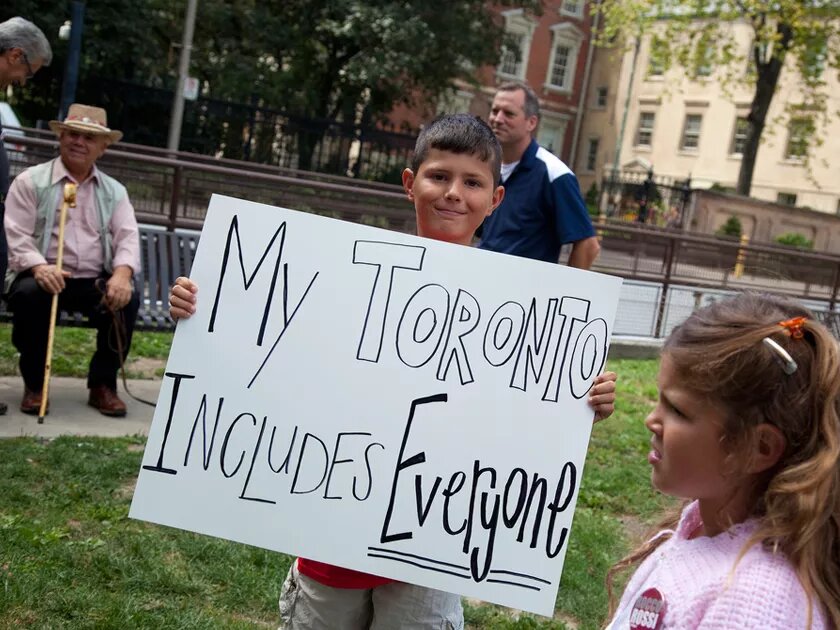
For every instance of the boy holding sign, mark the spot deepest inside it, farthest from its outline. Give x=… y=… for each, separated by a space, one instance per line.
x=454 y=185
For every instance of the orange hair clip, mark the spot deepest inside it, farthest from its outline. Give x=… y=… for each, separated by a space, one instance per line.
x=794 y=326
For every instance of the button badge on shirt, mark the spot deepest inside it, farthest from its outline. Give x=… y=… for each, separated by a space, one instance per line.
x=648 y=611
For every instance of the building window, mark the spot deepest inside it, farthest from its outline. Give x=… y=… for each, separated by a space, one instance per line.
x=519 y=30
x=799 y=136
x=815 y=56
x=511 y=62
x=657 y=57
x=739 y=135
x=601 y=94
x=787 y=199
x=560 y=67
x=691 y=132
x=564 y=55
x=592 y=154
x=644 y=134
x=704 y=57
x=454 y=102
x=551 y=133
x=572 y=7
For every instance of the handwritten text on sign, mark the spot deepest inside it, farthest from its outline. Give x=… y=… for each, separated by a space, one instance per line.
x=391 y=404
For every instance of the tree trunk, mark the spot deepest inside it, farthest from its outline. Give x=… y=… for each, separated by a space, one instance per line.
x=765 y=87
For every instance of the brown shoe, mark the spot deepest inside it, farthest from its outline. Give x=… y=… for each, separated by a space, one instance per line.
x=31 y=402
x=106 y=401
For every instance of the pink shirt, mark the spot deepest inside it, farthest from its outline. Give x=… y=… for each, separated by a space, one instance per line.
x=700 y=589
x=82 y=248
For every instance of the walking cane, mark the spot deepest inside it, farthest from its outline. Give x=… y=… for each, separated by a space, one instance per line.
x=69 y=202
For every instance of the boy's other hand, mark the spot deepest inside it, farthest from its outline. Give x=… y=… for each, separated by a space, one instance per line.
x=602 y=395
x=182 y=298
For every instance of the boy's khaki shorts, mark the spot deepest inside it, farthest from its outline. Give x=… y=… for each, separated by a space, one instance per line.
x=306 y=604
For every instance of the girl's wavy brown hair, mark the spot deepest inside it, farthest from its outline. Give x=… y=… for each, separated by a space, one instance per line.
x=719 y=351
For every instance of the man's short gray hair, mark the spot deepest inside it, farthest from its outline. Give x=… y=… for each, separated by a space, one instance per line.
x=532 y=101
x=17 y=32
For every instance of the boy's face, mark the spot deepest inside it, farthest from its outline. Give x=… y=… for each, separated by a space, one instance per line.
x=452 y=194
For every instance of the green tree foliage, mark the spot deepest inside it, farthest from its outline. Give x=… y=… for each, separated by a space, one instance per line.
x=803 y=36
x=732 y=227
x=121 y=40
x=334 y=59
x=795 y=239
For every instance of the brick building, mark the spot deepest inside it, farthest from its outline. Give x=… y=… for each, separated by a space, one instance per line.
x=553 y=56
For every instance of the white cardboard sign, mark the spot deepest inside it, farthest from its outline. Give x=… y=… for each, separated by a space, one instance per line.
x=382 y=402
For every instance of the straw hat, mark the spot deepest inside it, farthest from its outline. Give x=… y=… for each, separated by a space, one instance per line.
x=86 y=119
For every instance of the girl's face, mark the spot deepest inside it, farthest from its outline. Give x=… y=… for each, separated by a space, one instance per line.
x=686 y=454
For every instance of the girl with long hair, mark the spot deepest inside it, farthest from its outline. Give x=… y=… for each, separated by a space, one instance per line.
x=746 y=429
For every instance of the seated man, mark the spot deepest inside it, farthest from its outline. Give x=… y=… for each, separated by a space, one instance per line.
x=101 y=255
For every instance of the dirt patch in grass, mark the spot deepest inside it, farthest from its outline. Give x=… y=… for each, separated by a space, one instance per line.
x=570 y=622
x=635 y=529
x=126 y=491
x=260 y=623
x=145 y=367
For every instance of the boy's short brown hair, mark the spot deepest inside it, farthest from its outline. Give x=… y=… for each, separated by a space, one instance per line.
x=460 y=133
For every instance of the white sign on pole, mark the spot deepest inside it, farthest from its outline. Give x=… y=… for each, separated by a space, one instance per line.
x=190 y=88
x=386 y=403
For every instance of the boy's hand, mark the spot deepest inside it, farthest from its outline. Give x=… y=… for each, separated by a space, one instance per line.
x=602 y=395
x=182 y=298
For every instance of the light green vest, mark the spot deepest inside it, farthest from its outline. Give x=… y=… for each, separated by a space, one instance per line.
x=108 y=193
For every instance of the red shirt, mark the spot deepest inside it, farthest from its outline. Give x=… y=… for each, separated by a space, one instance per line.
x=338 y=577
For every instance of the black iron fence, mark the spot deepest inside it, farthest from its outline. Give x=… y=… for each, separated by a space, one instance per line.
x=668 y=272
x=174 y=193
x=255 y=133
x=646 y=198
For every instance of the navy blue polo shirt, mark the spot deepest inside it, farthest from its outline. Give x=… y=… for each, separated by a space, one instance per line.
x=542 y=209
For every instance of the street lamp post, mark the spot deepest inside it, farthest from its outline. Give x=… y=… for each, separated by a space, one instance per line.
x=183 y=73
x=74 y=50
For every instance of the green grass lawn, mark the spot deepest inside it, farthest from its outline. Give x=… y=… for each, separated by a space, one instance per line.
x=73 y=348
x=71 y=558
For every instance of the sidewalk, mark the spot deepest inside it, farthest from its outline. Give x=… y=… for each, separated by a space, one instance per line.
x=69 y=413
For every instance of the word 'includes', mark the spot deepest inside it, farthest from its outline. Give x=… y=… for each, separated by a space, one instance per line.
x=241 y=443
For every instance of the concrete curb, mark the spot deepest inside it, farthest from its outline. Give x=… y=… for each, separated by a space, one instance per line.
x=69 y=413
x=627 y=347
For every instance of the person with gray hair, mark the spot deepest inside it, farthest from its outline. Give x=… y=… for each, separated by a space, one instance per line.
x=23 y=51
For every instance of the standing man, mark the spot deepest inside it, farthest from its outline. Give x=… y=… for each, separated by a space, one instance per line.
x=543 y=208
x=23 y=51
x=101 y=256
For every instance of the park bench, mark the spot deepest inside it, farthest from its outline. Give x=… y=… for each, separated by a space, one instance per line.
x=164 y=256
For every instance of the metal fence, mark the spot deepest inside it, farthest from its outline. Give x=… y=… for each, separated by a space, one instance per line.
x=175 y=192
x=646 y=198
x=667 y=272
x=256 y=133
